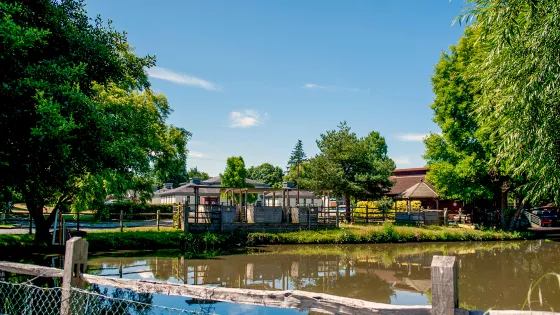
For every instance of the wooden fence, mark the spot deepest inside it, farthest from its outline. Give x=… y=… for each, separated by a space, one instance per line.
x=444 y=289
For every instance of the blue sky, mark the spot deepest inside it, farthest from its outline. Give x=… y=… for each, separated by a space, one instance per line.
x=250 y=78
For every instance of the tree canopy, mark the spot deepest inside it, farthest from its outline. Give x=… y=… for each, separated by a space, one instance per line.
x=298 y=155
x=234 y=176
x=76 y=109
x=460 y=157
x=519 y=82
x=266 y=173
x=195 y=173
x=349 y=166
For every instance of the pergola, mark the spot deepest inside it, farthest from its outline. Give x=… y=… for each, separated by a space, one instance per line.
x=419 y=191
x=231 y=191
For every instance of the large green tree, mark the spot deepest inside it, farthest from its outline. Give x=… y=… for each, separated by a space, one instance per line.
x=349 y=166
x=460 y=157
x=234 y=176
x=266 y=173
x=76 y=105
x=520 y=87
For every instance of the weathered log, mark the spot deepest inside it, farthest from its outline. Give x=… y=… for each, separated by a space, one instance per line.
x=324 y=303
x=31 y=270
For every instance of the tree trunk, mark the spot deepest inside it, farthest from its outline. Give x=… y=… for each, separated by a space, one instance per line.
x=516 y=216
x=42 y=225
x=503 y=206
x=348 y=210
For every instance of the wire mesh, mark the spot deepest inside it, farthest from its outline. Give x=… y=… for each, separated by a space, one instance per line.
x=29 y=299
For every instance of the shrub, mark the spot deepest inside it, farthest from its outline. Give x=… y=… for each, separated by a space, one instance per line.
x=130 y=209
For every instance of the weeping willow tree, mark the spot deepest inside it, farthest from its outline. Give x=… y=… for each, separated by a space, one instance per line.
x=519 y=83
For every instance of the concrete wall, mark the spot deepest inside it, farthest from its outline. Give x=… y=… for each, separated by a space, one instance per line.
x=264 y=214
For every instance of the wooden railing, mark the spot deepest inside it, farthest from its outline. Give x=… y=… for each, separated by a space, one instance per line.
x=534 y=219
x=444 y=289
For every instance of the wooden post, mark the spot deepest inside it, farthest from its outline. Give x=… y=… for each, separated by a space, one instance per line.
x=445 y=217
x=444 y=285
x=186 y=217
x=78 y=221
x=157 y=219
x=121 y=220
x=367 y=213
x=75 y=263
x=309 y=218
x=336 y=215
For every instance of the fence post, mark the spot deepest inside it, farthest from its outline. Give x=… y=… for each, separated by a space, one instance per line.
x=308 y=218
x=75 y=263
x=157 y=219
x=445 y=298
x=367 y=213
x=336 y=215
x=31 y=224
x=445 y=217
x=121 y=220
x=186 y=217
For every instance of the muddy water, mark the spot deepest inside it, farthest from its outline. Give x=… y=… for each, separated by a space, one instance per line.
x=492 y=274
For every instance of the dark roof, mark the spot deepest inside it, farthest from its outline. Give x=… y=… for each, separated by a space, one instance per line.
x=293 y=193
x=218 y=181
x=189 y=190
x=410 y=171
x=421 y=190
x=403 y=183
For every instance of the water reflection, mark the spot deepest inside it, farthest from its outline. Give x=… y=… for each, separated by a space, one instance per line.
x=494 y=275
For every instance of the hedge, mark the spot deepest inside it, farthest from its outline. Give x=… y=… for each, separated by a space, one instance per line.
x=130 y=209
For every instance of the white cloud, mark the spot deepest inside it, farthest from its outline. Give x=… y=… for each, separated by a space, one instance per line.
x=330 y=88
x=195 y=154
x=245 y=119
x=182 y=79
x=402 y=160
x=415 y=137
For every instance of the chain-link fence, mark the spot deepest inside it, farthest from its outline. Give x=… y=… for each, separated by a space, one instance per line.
x=29 y=299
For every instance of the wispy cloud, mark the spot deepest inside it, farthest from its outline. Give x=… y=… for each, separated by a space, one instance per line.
x=402 y=160
x=182 y=79
x=196 y=154
x=245 y=119
x=331 y=88
x=412 y=137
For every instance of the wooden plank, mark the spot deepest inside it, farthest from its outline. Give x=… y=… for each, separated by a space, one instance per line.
x=324 y=303
x=31 y=270
x=75 y=263
x=444 y=285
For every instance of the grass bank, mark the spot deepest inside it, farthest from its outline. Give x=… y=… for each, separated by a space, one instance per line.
x=146 y=238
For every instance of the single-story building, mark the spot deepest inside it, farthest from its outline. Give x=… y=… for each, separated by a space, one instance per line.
x=411 y=184
x=207 y=193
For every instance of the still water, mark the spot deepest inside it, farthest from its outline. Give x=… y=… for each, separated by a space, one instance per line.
x=491 y=274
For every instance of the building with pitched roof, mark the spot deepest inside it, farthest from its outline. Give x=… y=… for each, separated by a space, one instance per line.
x=411 y=184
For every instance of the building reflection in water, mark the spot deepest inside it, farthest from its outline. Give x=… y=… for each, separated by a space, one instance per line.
x=491 y=274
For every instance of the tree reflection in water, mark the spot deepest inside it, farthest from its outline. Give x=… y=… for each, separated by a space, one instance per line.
x=492 y=274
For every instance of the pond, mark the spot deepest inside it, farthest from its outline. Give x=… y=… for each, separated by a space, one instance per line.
x=491 y=274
